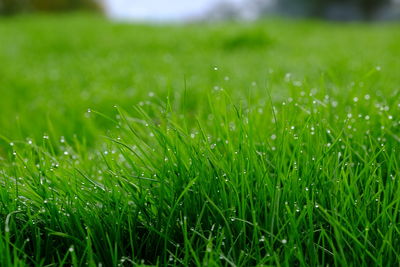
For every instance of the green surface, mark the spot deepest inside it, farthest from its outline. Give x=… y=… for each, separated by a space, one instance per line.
x=270 y=143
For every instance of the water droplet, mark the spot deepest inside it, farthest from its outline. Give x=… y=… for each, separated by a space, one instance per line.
x=297 y=83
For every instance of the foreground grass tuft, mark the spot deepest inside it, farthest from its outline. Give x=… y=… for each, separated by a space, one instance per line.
x=234 y=150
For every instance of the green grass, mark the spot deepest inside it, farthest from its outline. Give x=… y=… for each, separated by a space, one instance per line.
x=273 y=143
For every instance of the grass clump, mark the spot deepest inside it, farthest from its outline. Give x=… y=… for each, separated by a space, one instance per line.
x=242 y=159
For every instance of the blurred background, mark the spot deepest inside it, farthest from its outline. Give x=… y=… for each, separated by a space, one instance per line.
x=60 y=66
x=183 y=10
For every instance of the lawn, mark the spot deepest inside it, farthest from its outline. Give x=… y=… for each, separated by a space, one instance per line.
x=271 y=143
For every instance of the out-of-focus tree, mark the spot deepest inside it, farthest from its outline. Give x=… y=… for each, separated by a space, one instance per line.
x=9 y=7
x=366 y=9
x=370 y=7
x=61 y=5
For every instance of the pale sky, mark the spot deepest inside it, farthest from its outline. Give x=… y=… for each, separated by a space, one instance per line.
x=160 y=9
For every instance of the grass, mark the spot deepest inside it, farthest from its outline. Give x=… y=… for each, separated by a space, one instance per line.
x=273 y=143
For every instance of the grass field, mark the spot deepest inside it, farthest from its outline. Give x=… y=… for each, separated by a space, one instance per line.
x=273 y=143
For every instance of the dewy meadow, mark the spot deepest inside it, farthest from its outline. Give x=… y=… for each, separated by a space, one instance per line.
x=271 y=143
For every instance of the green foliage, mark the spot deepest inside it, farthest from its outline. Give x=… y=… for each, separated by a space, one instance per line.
x=8 y=7
x=162 y=145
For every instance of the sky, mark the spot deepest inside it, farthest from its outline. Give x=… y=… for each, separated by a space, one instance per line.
x=160 y=10
x=170 y=10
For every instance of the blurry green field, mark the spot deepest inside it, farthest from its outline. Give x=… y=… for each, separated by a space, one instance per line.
x=236 y=144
